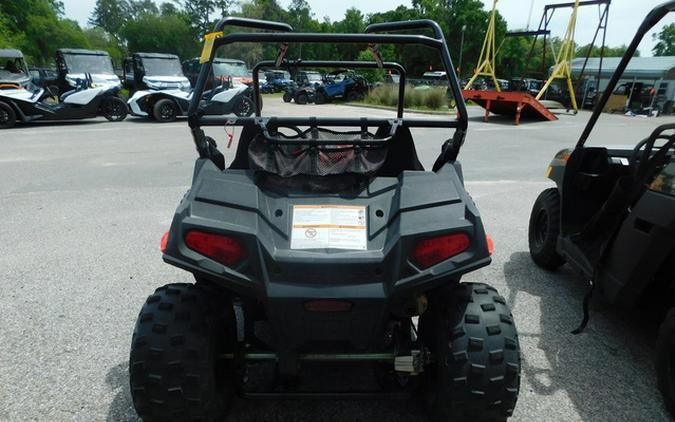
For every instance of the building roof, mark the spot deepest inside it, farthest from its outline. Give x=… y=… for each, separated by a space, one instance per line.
x=639 y=67
x=10 y=53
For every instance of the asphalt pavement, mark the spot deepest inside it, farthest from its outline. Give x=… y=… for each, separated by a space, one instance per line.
x=83 y=208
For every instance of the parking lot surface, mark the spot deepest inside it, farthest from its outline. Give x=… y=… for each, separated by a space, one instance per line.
x=84 y=205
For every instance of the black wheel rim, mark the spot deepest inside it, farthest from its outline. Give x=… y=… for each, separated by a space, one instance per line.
x=4 y=116
x=114 y=110
x=166 y=112
x=540 y=228
x=243 y=108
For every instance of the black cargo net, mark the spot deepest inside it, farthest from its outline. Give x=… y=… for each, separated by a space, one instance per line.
x=356 y=155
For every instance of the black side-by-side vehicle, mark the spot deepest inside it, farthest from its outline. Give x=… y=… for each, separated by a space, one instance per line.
x=325 y=240
x=611 y=217
x=156 y=71
x=13 y=69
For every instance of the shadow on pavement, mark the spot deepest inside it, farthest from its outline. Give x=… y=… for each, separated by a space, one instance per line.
x=412 y=410
x=121 y=408
x=148 y=121
x=503 y=120
x=57 y=123
x=607 y=371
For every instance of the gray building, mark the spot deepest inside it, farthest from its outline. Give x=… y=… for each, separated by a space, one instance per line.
x=656 y=72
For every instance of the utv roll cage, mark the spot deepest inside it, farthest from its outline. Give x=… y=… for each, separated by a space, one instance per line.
x=134 y=68
x=63 y=68
x=12 y=66
x=61 y=53
x=283 y=33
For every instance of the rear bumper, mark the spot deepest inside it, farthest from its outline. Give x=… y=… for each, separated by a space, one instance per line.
x=379 y=280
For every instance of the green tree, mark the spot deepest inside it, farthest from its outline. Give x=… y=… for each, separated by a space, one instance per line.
x=375 y=75
x=353 y=22
x=203 y=13
x=666 y=41
x=168 y=9
x=8 y=38
x=37 y=28
x=143 y=7
x=161 y=34
x=111 y=15
x=608 y=52
x=99 y=39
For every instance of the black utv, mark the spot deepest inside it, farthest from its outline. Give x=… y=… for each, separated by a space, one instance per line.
x=611 y=217
x=303 y=87
x=13 y=70
x=73 y=65
x=325 y=240
x=153 y=71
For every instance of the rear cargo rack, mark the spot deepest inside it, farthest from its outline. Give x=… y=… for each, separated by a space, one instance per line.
x=321 y=136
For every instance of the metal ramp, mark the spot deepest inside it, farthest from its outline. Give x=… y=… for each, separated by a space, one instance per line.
x=505 y=103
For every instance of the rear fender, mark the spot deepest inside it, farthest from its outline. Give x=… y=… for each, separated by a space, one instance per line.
x=400 y=212
x=556 y=170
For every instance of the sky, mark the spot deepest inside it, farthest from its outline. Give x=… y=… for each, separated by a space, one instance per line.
x=624 y=16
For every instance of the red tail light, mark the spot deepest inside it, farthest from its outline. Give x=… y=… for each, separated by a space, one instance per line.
x=429 y=252
x=224 y=249
x=163 y=242
x=490 y=244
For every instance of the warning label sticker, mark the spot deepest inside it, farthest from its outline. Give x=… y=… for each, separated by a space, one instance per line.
x=329 y=226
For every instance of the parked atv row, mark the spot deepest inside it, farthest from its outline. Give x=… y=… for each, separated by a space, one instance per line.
x=87 y=88
x=160 y=89
x=312 y=87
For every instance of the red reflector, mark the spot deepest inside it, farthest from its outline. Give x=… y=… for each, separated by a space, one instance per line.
x=430 y=252
x=328 y=305
x=490 y=244
x=224 y=249
x=163 y=242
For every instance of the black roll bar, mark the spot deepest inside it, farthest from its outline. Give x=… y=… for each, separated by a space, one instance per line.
x=273 y=122
x=253 y=24
x=326 y=63
x=652 y=19
x=289 y=37
x=206 y=67
x=407 y=26
x=218 y=39
x=447 y=62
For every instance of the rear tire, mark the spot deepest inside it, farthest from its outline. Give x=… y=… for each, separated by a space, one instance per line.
x=353 y=96
x=476 y=374
x=165 y=110
x=301 y=98
x=287 y=97
x=544 y=230
x=174 y=366
x=320 y=98
x=114 y=109
x=7 y=116
x=665 y=361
